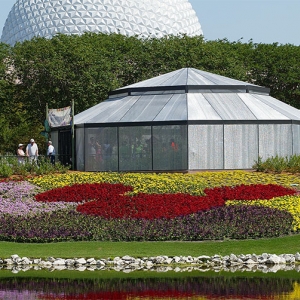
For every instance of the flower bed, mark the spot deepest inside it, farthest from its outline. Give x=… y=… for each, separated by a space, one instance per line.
x=83 y=192
x=193 y=184
x=286 y=203
x=82 y=208
x=110 y=203
x=17 y=198
x=238 y=222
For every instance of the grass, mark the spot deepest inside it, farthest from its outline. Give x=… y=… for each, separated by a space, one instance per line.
x=281 y=245
x=288 y=244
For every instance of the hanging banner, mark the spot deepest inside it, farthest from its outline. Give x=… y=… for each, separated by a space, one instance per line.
x=60 y=117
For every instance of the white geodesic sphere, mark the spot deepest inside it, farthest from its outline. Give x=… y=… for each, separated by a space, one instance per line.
x=45 y=18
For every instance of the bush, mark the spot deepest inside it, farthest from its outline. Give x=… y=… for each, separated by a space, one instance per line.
x=6 y=169
x=9 y=166
x=278 y=164
x=293 y=165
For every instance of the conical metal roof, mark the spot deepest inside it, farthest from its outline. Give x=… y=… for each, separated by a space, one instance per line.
x=188 y=95
x=189 y=77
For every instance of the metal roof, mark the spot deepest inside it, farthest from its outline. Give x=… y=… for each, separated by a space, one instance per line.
x=188 y=95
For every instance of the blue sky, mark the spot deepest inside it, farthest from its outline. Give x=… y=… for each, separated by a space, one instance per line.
x=263 y=21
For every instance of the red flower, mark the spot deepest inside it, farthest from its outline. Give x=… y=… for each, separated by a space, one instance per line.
x=108 y=200
x=82 y=192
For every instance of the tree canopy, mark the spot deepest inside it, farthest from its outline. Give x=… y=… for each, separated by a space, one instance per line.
x=85 y=68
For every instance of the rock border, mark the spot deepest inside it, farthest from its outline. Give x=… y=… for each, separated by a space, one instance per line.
x=249 y=262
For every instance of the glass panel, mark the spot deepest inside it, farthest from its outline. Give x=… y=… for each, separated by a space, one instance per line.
x=240 y=146
x=205 y=147
x=80 y=149
x=296 y=138
x=170 y=147
x=135 y=148
x=54 y=138
x=101 y=151
x=275 y=139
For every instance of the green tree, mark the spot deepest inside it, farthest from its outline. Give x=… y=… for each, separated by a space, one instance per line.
x=86 y=68
x=277 y=67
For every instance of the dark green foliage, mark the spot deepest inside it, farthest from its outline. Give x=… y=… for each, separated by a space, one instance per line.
x=9 y=166
x=278 y=164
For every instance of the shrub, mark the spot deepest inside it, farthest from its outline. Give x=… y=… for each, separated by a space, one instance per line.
x=6 y=169
x=293 y=165
x=278 y=164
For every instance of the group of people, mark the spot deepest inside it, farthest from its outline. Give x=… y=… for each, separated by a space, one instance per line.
x=32 y=152
x=98 y=153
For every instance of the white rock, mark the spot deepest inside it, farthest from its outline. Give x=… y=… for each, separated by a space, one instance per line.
x=177 y=259
x=59 y=262
x=80 y=261
x=8 y=261
x=275 y=259
x=250 y=262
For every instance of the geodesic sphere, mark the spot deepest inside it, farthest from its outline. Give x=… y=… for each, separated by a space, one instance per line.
x=149 y=18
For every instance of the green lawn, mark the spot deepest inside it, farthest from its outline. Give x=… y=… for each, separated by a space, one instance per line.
x=288 y=244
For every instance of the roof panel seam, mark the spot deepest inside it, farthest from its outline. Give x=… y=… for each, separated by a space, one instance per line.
x=130 y=108
x=277 y=108
x=163 y=107
x=247 y=107
x=212 y=106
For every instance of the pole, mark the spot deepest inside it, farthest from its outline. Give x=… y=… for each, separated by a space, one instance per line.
x=47 y=112
x=73 y=137
x=47 y=120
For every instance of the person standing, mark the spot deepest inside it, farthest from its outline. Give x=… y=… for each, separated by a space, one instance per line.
x=32 y=151
x=21 y=154
x=51 y=152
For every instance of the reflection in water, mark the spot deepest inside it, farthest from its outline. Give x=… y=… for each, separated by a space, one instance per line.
x=150 y=288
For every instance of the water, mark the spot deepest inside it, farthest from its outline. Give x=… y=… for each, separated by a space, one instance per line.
x=143 y=285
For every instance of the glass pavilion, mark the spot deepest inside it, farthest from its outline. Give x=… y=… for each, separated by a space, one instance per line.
x=182 y=121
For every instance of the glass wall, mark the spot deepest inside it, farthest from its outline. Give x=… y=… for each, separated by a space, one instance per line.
x=167 y=147
x=80 y=149
x=170 y=147
x=275 y=139
x=240 y=146
x=206 y=147
x=296 y=138
x=101 y=149
x=135 y=148
x=132 y=148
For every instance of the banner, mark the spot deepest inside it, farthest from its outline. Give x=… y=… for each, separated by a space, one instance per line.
x=60 y=117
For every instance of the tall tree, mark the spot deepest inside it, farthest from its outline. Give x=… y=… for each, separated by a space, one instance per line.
x=85 y=68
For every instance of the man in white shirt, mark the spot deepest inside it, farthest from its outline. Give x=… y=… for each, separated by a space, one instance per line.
x=32 y=151
x=51 y=152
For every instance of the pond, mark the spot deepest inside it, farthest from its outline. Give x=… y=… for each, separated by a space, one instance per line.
x=45 y=284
